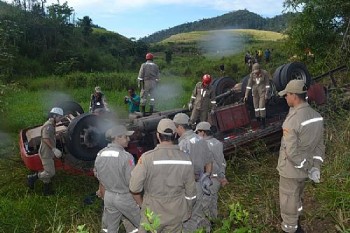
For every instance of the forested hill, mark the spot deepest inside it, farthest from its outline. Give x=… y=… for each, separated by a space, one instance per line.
x=241 y=19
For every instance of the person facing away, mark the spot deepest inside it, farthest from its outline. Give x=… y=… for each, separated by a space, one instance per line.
x=301 y=153
x=133 y=102
x=259 y=84
x=98 y=101
x=147 y=81
x=202 y=100
x=47 y=152
x=113 y=166
x=198 y=151
x=203 y=129
x=166 y=176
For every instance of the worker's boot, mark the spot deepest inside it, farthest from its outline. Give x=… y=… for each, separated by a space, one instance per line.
x=31 y=180
x=143 y=110
x=47 y=189
x=263 y=122
x=151 y=108
x=299 y=229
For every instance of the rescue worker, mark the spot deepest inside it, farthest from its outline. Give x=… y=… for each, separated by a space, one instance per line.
x=202 y=100
x=47 y=152
x=198 y=151
x=147 y=81
x=98 y=101
x=210 y=203
x=133 y=102
x=259 y=83
x=166 y=176
x=301 y=154
x=112 y=168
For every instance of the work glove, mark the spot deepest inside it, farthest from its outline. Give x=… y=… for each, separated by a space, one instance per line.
x=57 y=152
x=205 y=182
x=138 y=83
x=315 y=174
x=190 y=106
x=212 y=112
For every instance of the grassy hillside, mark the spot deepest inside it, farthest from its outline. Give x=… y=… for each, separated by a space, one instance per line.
x=250 y=34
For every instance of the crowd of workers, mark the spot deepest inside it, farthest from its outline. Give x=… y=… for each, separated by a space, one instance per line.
x=180 y=178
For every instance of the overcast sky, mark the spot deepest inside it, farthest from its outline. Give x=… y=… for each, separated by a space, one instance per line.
x=139 y=18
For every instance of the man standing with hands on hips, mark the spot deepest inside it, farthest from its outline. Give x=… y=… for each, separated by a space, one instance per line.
x=301 y=153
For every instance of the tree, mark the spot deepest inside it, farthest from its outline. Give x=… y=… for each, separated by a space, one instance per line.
x=318 y=25
x=86 y=25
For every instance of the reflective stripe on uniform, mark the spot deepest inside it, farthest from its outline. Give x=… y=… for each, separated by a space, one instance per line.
x=301 y=164
x=267 y=86
x=193 y=97
x=300 y=208
x=180 y=162
x=190 y=198
x=214 y=175
x=141 y=79
x=249 y=88
x=290 y=226
x=318 y=158
x=109 y=153
x=312 y=121
x=135 y=230
x=213 y=102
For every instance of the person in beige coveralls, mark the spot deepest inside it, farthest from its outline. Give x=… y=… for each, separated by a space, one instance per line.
x=113 y=167
x=167 y=178
x=259 y=84
x=147 y=81
x=47 y=152
x=198 y=151
x=301 y=153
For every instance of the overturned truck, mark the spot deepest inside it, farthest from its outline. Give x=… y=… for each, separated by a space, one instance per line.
x=81 y=135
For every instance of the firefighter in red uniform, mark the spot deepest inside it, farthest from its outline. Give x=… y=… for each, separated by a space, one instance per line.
x=259 y=83
x=202 y=101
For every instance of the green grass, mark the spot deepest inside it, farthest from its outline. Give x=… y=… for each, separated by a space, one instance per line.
x=251 y=171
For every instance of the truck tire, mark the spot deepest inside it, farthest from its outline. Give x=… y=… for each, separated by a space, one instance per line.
x=294 y=70
x=70 y=107
x=223 y=84
x=276 y=78
x=86 y=136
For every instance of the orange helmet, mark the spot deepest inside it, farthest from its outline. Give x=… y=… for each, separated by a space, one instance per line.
x=206 y=79
x=149 y=56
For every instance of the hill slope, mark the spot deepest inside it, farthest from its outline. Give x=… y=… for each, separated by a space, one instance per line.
x=241 y=19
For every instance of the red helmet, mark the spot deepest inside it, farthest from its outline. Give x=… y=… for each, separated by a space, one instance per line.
x=206 y=79
x=149 y=56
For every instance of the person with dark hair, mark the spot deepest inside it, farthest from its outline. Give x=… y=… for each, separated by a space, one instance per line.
x=301 y=153
x=165 y=174
x=198 y=151
x=133 y=102
x=47 y=152
x=147 y=81
x=98 y=101
x=113 y=166
x=210 y=202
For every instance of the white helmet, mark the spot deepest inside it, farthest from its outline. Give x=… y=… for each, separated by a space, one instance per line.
x=58 y=111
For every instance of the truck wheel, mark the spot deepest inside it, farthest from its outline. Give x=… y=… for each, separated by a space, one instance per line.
x=276 y=78
x=71 y=107
x=86 y=136
x=294 y=70
x=223 y=84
